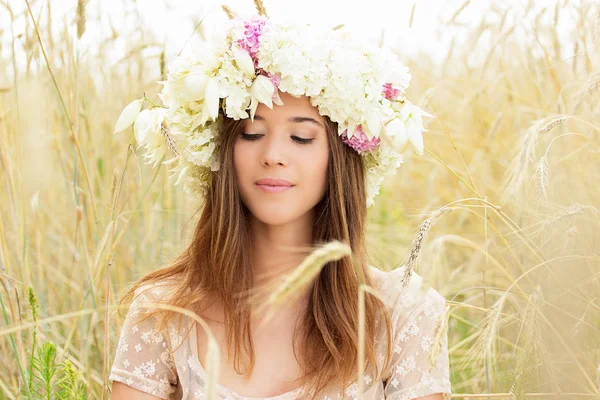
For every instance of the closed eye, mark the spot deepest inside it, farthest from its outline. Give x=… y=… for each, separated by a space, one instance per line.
x=251 y=136
x=300 y=140
x=256 y=136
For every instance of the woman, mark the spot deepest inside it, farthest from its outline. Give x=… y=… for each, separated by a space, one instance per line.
x=277 y=181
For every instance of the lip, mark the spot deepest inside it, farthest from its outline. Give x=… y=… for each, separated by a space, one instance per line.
x=271 y=185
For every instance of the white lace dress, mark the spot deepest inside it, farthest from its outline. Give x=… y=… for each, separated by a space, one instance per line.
x=143 y=360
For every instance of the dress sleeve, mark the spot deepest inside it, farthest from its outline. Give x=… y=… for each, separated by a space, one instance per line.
x=420 y=367
x=143 y=359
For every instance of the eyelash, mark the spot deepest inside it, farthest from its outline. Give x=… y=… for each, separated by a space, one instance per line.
x=255 y=136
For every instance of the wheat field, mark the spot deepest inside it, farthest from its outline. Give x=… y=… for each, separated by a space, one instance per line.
x=501 y=215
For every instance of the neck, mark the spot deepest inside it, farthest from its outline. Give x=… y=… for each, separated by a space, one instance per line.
x=278 y=249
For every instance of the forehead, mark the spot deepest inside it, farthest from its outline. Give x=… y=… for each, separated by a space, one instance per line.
x=292 y=107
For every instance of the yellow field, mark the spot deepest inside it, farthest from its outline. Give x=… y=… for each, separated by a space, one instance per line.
x=505 y=204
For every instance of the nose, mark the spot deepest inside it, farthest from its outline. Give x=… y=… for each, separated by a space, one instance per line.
x=273 y=152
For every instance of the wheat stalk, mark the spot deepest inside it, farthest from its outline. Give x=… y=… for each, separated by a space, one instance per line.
x=495 y=125
x=486 y=337
x=440 y=333
x=81 y=4
x=228 y=11
x=596 y=33
x=162 y=62
x=526 y=153
x=213 y=361
x=260 y=8
x=417 y=244
x=169 y=139
x=532 y=344
x=542 y=174
x=74 y=136
x=302 y=276
x=412 y=15
x=459 y=11
x=593 y=84
x=573 y=209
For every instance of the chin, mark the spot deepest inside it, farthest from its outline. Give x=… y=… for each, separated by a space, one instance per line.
x=275 y=214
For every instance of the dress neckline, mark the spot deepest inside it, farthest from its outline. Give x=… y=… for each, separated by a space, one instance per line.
x=203 y=372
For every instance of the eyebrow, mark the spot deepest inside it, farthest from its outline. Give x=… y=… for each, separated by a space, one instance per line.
x=297 y=120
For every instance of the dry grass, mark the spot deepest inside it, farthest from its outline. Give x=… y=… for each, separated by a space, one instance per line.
x=298 y=280
x=514 y=153
x=228 y=11
x=260 y=8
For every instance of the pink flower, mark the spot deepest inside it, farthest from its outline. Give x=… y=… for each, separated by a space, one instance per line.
x=276 y=79
x=390 y=92
x=251 y=40
x=359 y=141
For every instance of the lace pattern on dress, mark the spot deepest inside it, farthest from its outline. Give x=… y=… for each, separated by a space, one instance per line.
x=143 y=359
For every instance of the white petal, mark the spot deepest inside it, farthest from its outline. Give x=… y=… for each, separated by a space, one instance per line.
x=211 y=99
x=277 y=99
x=262 y=89
x=182 y=173
x=128 y=115
x=396 y=130
x=243 y=61
x=415 y=137
x=253 y=107
x=194 y=86
x=209 y=58
x=373 y=124
x=406 y=110
x=142 y=125
x=417 y=111
x=148 y=124
x=394 y=127
x=351 y=130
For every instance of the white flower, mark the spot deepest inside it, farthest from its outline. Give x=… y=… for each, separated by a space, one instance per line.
x=243 y=61
x=408 y=127
x=299 y=56
x=414 y=125
x=374 y=123
x=396 y=130
x=200 y=157
x=348 y=79
x=262 y=92
x=210 y=57
x=148 y=124
x=128 y=115
x=236 y=103
x=194 y=86
x=210 y=109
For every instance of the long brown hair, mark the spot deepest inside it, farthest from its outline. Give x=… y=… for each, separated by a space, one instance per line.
x=216 y=264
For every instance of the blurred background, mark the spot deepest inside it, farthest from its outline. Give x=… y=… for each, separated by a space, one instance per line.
x=506 y=196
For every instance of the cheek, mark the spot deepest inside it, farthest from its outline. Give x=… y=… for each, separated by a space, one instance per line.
x=319 y=164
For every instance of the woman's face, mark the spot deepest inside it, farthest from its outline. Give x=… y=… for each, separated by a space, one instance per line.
x=281 y=160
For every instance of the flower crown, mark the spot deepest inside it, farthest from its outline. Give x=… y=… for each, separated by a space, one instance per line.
x=358 y=85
